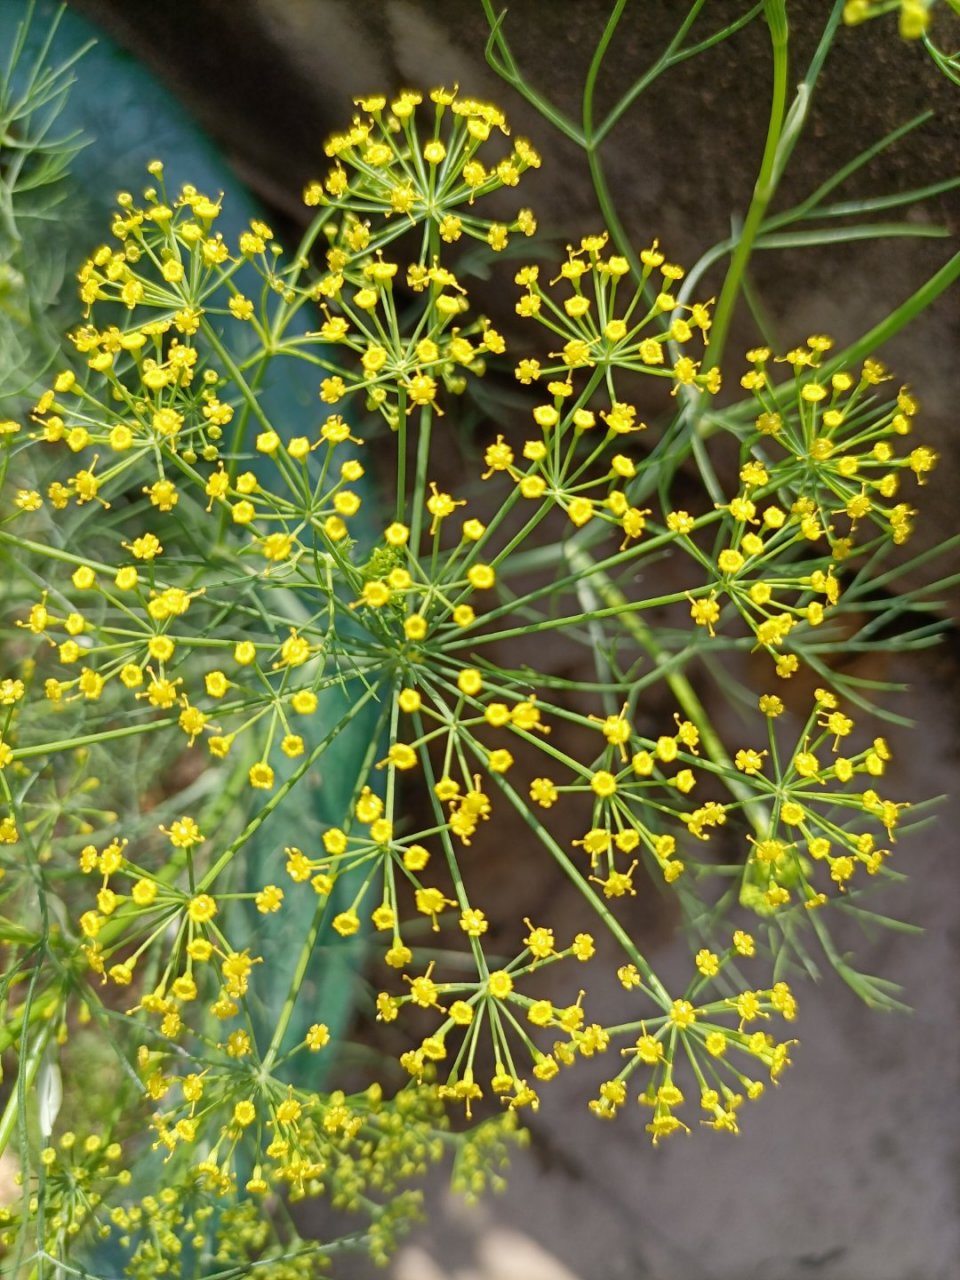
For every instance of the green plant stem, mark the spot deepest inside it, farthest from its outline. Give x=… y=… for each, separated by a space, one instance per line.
x=420 y=481
x=282 y=791
x=618 y=605
x=24 y=1082
x=249 y=398
x=892 y=324
x=54 y=553
x=597 y=904
x=671 y=56
x=296 y=983
x=764 y=189
x=866 y=345
x=681 y=688
x=91 y=739
x=591 y=144
x=391 y=710
x=807 y=206
x=500 y=58
x=590 y=136
x=401 y=453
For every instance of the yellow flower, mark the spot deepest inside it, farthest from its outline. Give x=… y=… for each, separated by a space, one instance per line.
x=499 y=984
x=244 y=1113
x=318 y=1036
x=261 y=776
x=201 y=909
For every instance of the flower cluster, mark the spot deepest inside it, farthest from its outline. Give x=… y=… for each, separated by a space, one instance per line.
x=820 y=482
x=914 y=14
x=810 y=800
x=222 y=581
x=716 y=1050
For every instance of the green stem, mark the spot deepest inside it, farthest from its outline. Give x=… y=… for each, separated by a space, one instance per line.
x=281 y=793
x=572 y=871
x=294 y=990
x=24 y=1082
x=681 y=688
x=619 y=606
x=764 y=189
x=591 y=146
x=296 y=984
x=666 y=60
x=500 y=58
x=54 y=553
x=401 y=453
x=250 y=400
x=90 y=739
x=866 y=345
x=420 y=481
x=881 y=333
